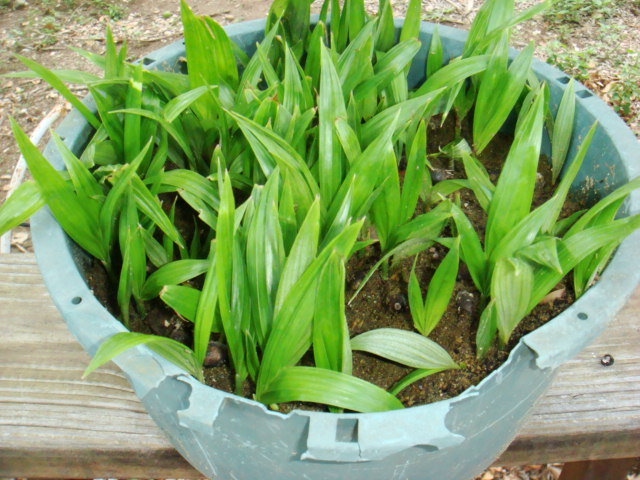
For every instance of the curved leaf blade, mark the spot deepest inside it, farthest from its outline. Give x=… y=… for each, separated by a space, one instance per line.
x=309 y=384
x=404 y=347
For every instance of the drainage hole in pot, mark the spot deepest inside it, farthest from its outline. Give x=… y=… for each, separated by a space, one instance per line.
x=584 y=94
x=347 y=430
x=76 y=300
x=583 y=316
x=147 y=61
x=564 y=79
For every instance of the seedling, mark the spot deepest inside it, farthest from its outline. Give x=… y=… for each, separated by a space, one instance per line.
x=236 y=193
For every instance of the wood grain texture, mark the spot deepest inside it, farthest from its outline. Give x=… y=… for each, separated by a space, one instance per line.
x=53 y=423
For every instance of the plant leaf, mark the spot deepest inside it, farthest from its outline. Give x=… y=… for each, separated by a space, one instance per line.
x=411 y=26
x=543 y=252
x=578 y=246
x=471 y=250
x=331 y=346
x=414 y=175
x=514 y=192
x=330 y=106
x=265 y=256
x=225 y=248
x=499 y=91
x=52 y=79
x=23 y=202
x=511 y=288
x=302 y=253
x=292 y=330
x=175 y=352
x=563 y=130
x=83 y=181
x=487 y=329
x=413 y=377
x=479 y=180
x=440 y=289
x=453 y=73
x=150 y=206
x=69 y=210
x=309 y=384
x=182 y=299
x=434 y=58
x=173 y=273
x=404 y=347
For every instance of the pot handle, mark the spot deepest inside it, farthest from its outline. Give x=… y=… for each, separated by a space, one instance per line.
x=363 y=438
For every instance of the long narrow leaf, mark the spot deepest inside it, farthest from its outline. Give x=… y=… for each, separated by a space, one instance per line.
x=404 y=347
x=415 y=174
x=440 y=290
x=68 y=209
x=498 y=93
x=173 y=273
x=563 y=130
x=24 y=202
x=511 y=289
x=329 y=319
x=52 y=79
x=514 y=192
x=173 y=351
x=330 y=106
x=308 y=384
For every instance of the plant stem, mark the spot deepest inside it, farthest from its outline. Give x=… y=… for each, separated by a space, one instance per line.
x=385 y=270
x=239 y=389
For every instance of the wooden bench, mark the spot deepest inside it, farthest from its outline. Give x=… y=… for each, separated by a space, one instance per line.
x=53 y=424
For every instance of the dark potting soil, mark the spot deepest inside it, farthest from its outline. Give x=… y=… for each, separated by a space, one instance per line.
x=382 y=303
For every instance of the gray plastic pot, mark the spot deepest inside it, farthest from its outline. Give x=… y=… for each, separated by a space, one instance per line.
x=226 y=436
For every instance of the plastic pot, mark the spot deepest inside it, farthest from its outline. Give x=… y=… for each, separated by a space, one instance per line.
x=226 y=436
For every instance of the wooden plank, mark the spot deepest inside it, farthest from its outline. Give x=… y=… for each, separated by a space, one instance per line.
x=598 y=469
x=52 y=423
x=591 y=411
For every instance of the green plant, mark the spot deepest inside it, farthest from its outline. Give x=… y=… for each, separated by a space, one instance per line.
x=574 y=62
x=625 y=92
x=277 y=166
x=576 y=11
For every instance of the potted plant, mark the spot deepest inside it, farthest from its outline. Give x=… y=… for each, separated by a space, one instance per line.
x=236 y=192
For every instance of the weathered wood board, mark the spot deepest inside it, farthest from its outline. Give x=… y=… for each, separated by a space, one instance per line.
x=54 y=424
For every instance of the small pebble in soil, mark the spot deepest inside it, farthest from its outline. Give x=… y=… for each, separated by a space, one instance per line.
x=440 y=174
x=606 y=360
x=467 y=302
x=181 y=335
x=216 y=354
x=158 y=323
x=398 y=302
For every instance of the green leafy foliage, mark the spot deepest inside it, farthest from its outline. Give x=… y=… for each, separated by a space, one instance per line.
x=427 y=314
x=25 y=201
x=406 y=348
x=173 y=351
x=237 y=193
x=563 y=129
